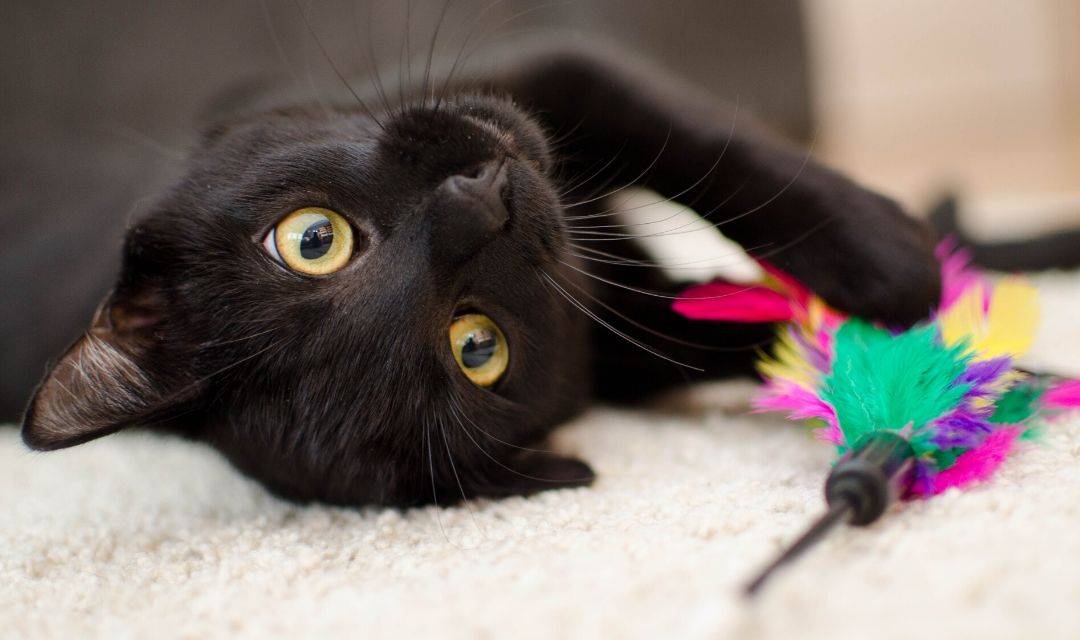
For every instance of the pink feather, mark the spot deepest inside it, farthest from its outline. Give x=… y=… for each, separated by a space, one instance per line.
x=731 y=302
x=789 y=286
x=1063 y=395
x=957 y=276
x=800 y=404
x=975 y=465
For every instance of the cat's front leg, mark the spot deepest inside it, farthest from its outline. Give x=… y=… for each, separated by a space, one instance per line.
x=855 y=248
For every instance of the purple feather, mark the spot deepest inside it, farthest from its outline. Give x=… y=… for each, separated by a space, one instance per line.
x=960 y=429
x=981 y=374
x=922 y=478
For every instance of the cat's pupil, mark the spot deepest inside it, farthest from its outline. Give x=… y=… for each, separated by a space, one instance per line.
x=316 y=240
x=479 y=348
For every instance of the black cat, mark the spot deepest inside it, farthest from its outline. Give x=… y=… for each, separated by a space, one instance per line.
x=360 y=305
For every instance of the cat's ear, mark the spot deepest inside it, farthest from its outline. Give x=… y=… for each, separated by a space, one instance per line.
x=112 y=377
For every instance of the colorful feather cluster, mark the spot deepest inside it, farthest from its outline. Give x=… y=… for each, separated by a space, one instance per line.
x=949 y=385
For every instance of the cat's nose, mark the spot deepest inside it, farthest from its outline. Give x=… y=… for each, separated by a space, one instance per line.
x=469 y=210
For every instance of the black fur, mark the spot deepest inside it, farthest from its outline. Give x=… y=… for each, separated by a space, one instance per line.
x=343 y=388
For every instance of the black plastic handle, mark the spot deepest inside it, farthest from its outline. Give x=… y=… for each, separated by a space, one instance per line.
x=873 y=475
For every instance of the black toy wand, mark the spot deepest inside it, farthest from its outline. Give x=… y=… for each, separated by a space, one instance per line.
x=862 y=485
x=949 y=381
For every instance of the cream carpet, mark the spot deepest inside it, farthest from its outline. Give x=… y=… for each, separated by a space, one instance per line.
x=141 y=536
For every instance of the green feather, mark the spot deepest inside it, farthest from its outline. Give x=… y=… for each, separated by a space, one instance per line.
x=1019 y=403
x=885 y=381
x=945 y=458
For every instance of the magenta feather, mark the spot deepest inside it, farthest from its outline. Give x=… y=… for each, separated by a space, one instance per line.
x=730 y=302
x=975 y=465
x=1063 y=395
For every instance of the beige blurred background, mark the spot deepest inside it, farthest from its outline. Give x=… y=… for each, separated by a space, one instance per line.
x=982 y=96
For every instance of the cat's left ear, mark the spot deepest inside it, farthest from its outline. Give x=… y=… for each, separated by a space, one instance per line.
x=112 y=377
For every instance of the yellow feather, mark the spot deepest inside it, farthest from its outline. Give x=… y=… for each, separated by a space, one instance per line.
x=788 y=362
x=964 y=319
x=1008 y=328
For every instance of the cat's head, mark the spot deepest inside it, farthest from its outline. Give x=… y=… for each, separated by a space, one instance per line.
x=352 y=310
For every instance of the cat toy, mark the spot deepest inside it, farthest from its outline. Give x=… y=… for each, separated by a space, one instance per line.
x=911 y=412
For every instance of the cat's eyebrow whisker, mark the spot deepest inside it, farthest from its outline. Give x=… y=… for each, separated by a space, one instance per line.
x=464 y=53
x=476 y=22
x=372 y=59
x=281 y=54
x=590 y=313
x=405 y=59
x=496 y=32
x=428 y=83
x=133 y=135
x=524 y=12
x=333 y=66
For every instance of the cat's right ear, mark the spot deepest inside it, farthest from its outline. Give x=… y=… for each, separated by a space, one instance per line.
x=112 y=377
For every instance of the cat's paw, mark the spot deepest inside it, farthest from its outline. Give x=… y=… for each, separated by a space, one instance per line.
x=530 y=472
x=868 y=258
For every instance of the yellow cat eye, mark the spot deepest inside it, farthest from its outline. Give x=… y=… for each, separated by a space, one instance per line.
x=480 y=348
x=312 y=240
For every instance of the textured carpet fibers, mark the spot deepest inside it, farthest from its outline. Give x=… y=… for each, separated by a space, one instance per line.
x=143 y=536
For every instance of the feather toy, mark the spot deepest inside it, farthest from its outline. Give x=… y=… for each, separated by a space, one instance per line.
x=911 y=412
